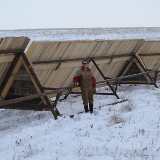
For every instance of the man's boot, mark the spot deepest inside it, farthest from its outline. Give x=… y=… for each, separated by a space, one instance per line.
x=86 y=108
x=91 y=108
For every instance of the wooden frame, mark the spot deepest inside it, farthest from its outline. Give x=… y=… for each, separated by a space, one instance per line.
x=58 y=58
x=118 y=80
x=19 y=59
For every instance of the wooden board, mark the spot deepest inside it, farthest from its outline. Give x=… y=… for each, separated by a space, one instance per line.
x=63 y=50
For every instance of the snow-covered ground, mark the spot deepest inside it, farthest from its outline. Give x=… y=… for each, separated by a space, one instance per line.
x=86 y=33
x=128 y=130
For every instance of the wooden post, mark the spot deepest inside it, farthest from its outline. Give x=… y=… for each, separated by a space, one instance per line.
x=21 y=99
x=54 y=110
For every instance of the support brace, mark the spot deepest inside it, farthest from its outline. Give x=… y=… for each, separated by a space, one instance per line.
x=114 y=91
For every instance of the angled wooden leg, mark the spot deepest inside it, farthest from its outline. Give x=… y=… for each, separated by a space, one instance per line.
x=55 y=104
x=114 y=92
x=67 y=94
x=38 y=84
x=153 y=82
x=125 y=68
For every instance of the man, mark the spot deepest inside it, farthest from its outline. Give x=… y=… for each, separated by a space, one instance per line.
x=86 y=80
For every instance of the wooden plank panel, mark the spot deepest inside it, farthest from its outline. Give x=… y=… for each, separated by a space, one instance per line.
x=149 y=47
x=151 y=61
x=55 y=50
x=78 y=49
x=5 y=43
x=153 y=64
x=74 y=63
x=10 y=43
x=6 y=58
x=3 y=67
x=64 y=75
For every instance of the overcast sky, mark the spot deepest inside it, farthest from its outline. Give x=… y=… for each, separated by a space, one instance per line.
x=33 y=14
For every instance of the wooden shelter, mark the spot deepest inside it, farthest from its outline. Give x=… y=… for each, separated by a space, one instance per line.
x=56 y=62
x=48 y=67
x=12 y=58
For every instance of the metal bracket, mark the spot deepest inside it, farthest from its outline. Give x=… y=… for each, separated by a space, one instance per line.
x=59 y=64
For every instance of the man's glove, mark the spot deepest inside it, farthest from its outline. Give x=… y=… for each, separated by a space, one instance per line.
x=94 y=89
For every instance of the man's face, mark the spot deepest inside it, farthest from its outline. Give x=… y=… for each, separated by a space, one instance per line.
x=85 y=64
